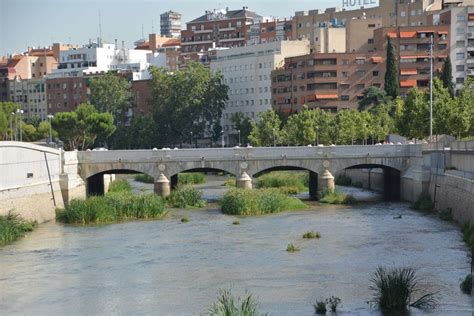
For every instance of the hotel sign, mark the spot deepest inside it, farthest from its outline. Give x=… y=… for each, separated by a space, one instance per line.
x=357 y=4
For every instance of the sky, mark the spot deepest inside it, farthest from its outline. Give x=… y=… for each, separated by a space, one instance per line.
x=25 y=23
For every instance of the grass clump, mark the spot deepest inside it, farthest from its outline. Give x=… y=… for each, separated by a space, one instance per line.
x=466 y=284
x=446 y=214
x=228 y=305
x=230 y=182
x=331 y=196
x=112 y=207
x=468 y=234
x=236 y=222
x=13 y=226
x=320 y=307
x=292 y=248
x=186 y=196
x=296 y=181
x=258 y=202
x=142 y=177
x=120 y=185
x=191 y=178
x=333 y=303
x=344 y=180
x=423 y=203
x=184 y=219
x=394 y=290
x=311 y=235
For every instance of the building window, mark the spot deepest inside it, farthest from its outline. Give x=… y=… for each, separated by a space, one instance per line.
x=360 y=61
x=461 y=18
x=345 y=74
x=360 y=73
x=460 y=44
x=460 y=80
x=360 y=86
x=375 y=73
x=459 y=68
x=460 y=56
x=402 y=13
x=344 y=98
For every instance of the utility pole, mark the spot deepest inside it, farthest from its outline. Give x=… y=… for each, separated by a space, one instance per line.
x=431 y=88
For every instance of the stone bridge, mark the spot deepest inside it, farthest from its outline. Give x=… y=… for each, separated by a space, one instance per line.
x=246 y=163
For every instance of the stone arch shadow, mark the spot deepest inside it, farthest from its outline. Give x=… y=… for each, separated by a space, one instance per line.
x=312 y=182
x=391 y=178
x=174 y=175
x=95 y=184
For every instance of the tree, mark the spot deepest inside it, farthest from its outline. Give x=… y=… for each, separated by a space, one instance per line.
x=347 y=126
x=413 y=117
x=267 y=131
x=381 y=122
x=442 y=107
x=7 y=118
x=447 y=76
x=110 y=93
x=372 y=97
x=42 y=132
x=81 y=128
x=364 y=129
x=243 y=124
x=461 y=120
x=186 y=101
x=300 y=128
x=392 y=85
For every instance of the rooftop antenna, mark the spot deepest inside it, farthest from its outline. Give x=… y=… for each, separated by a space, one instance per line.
x=152 y=27
x=100 y=29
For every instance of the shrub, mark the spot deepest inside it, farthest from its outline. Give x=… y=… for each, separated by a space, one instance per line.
x=257 y=202
x=142 y=177
x=466 y=285
x=184 y=219
x=333 y=302
x=468 y=233
x=186 y=196
x=320 y=307
x=342 y=179
x=331 y=196
x=297 y=181
x=394 y=290
x=230 y=182
x=423 y=203
x=13 y=226
x=120 y=185
x=446 y=214
x=191 y=178
x=112 y=207
x=311 y=235
x=227 y=305
x=292 y=248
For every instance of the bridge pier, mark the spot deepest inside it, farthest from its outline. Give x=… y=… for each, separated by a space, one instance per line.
x=162 y=186
x=244 y=181
x=326 y=181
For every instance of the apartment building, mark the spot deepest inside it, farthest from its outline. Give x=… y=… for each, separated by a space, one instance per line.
x=30 y=94
x=215 y=29
x=64 y=94
x=360 y=34
x=247 y=72
x=170 y=24
x=165 y=51
x=460 y=20
x=329 y=81
x=270 y=30
x=328 y=39
x=412 y=45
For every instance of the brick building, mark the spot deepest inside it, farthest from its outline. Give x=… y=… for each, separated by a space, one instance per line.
x=64 y=94
x=331 y=81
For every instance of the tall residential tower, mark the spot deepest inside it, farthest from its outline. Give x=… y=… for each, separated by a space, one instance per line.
x=170 y=24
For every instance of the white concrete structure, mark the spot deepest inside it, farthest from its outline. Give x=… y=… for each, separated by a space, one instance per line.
x=247 y=72
x=30 y=94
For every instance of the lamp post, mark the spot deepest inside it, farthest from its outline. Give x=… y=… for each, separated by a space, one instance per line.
x=20 y=113
x=317 y=135
x=50 y=118
x=191 y=139
x=274 y=142
x=239 y=136
x=222 y=135
x=11 y=126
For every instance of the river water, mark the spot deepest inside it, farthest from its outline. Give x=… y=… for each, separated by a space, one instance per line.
x=166 y=267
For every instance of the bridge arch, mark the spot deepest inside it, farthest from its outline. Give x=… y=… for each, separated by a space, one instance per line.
x=95 y=184
x=174 y=177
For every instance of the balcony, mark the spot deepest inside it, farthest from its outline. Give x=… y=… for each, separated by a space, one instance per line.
x=196 y=43
x=202 y=31
x=226 y=40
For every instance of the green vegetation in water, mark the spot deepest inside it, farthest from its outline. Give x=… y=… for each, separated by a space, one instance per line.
x=228 y=305
x=423 y=203
x=236 y=222
x=184 y=219
x=468 y=234
x=191 y=178
x=311 y=235
x=331 y=196
x=333 y=303
x=112 y=207
x=320 y=307
x=292 y=248
x=258 y=202
x=120 y=185
x=344 y=180
x=289 y=181
x=13 y=226
x=142 y=177
x=446 y=214
x=394 y=290
x=466 y=284
x=230 y=182
x=186 y=196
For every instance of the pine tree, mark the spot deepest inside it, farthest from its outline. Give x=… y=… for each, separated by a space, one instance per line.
x=447 y=76
x=392 y=85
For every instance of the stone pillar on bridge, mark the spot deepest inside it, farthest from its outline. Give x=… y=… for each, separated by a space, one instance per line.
x=162 y=186
x=244 y=181
x=326 y=181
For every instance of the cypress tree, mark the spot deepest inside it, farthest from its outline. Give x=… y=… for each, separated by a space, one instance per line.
x=392 y=85
x=447 y=76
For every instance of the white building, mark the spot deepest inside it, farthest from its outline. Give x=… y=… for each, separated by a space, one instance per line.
x=95 y=59
x=247 y=72
x=30 y=94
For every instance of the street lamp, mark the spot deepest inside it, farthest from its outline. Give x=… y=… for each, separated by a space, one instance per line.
x=274 y=142
x=191 y=139
x=50 y=117
x=223 y=143
x=317 y=135
x=20 y=113
x=11 y=126
x=239 y=136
